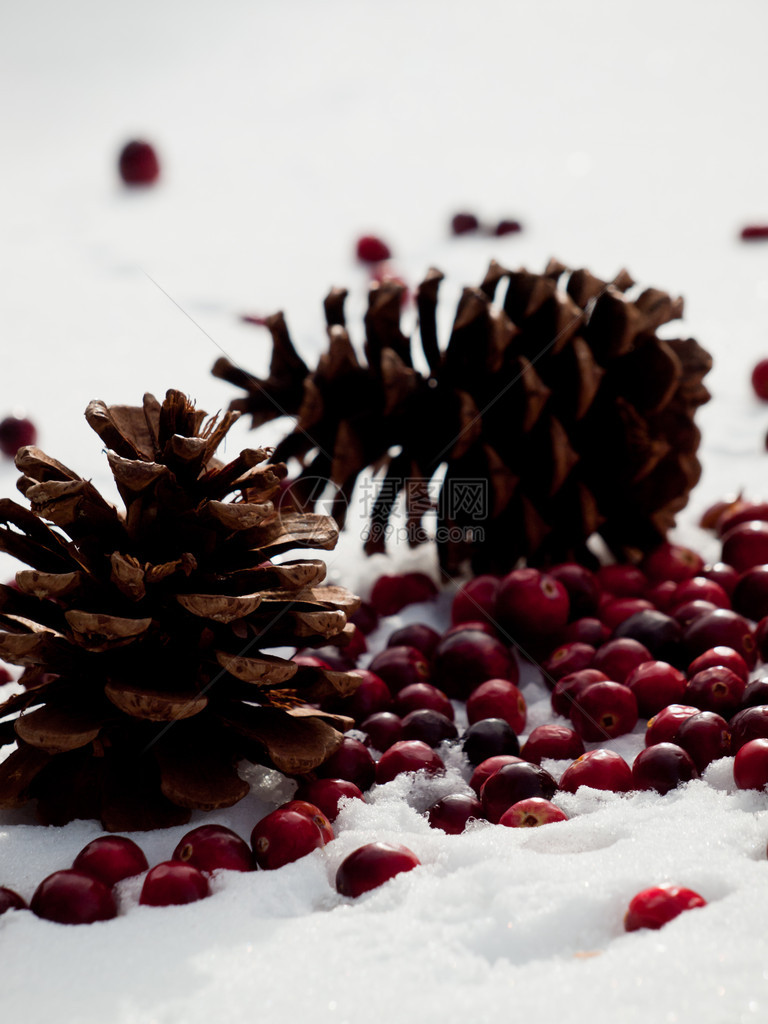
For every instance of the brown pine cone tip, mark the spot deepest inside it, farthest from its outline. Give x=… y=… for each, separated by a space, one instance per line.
x=560 y=399
x=142 y=632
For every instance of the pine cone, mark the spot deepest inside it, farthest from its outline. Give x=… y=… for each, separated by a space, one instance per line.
x=558 y=411
x=142 y=632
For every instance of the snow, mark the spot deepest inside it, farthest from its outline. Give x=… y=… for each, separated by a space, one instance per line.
x=620 y=135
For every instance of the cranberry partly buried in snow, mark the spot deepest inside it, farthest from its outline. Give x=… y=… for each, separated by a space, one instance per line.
x=657 y=906
x=372 y=865
x=72 y=897
x=111 y=859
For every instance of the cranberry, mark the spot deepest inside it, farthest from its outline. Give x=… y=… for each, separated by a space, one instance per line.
x=488 y=738
x=658 y=632
x=497 y=698
x=313 y=812
x=532 y=604
x=761 y=638
x=604 y=710
x=172 y=884
x=16 y=432
x=750 y=766
x=366 y=618
x=466 y=659
x=662 y=594
x=464 y=223
x=618 y=658
x=489 y=767
x=662 y=728
x=742 y=512
x=325 y=794
x=685 y=614
x=746 y=545
x=371 y=695
x=423 y=695
x=598 y=769
x=72 y=897
x=507 y=227
x=622 y=580
x=283 y=836
x=356 y=645
x=513 y=782
x=655 y=684
x=138 y=163
x=422 y=638
x=407 y=756
x=663 y=767
x=720 y=656
x=111 y=859
x=585 y=631
x=372 y=865
x=352 y=761
x=210 y=847
x=618 y=610
x=310 y=661
x=383 y=729
x=581 y=585
x=716 y=689
x=554 y=741
x=10 y=900
x=750 y=596
x=452 y=812
x=431 y=727
x=400 y=666
x=371 y=249
x=721 y=628
x=464 y=627
x=672 y=562
x=568 y=689
x=476 y=600
x=706 y=737
x=755 y=693
x=566 y=659
x=653 y=908
x=749 y=724
x=754 y=232
x=531 y=813
x=391 y=594
x=701 y=589
x=723 y=574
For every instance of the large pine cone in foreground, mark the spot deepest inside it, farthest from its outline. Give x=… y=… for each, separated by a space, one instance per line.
x=560 y=400
x=142 y=631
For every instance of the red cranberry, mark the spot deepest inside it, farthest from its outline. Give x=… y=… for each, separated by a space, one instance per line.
x=687 y=613
x=400 y=666
x=566 y=659
x=618 y=658
x=568 y=689
x=310 y=661
x=356 y=646
x=16 y=432
x=423 y=695
x=614 y=612
x=662 y=595
x=489 y=767
x=761 y=639
x=10 y=900
x=622 y=580
x=749 y=724
x=716 y=689
x=352 y=761
x=655 y=684
x=555 y=741
x=464 y=627
x=283 y=836
x=656 y=631
x=72 y=897
x=391 y=594
x=366 y=618
x=755 y=693
x=172 y=884
x=672 y=562
x=383 y=729
x=466 y=659
x=604 y=710
x=325 y=794
x=662 y=728
x=371 y=249
x=407 y=756
x=581 y=585
x=532 y=604
x=598 y=769
x=111 y=859
x=488 y=738
x=720 y=656
x=653 y=908
x=514 y=782
x=706 y=737
x=725 y=575
x=507 y=227
x=464 y=223
x=701 y=589
x=210 y=847
x=750 y=766
x=585 y=631
x=371 y=695
x=721 y=628
x=372 y=865
x=5 y=675
x=746 y=545
x=750 y=596
x=497 y=698
x=138 y=163
x=313 y=812
x=476 y=600
x=663 y=767
x=423 y=638
x=531 y=813
x=754 y=232
x=429 y=726
x=453 y=811
x=742 y=512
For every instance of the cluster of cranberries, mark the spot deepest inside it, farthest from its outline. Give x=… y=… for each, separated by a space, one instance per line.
x=465 y=223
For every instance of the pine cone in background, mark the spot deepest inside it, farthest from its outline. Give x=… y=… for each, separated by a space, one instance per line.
x=142 y=632
x=560 y=399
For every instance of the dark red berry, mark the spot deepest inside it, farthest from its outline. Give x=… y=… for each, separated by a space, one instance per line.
x=754 y=232
x=488 y=738
x=464 y=223
x=407 y=756
x=497 y=698
x=366 y=618
x=514 y=782
x=749 y=724
x=618 y=658
x=400 y=666
x=746 y=545
x=431 y=727
x=371 y=249
x=622 y=580
x=721 y=628
x=672 y=562
x=706 y=737
x=16 y=432
x=566 y=659
x=655 y=685
x=172 y=884
x=72 y=897
x=755 y=693
x=531 y=813
x=210 y=847
x=653 y=908
x=138 y=163
x=750 y=766
x=581 y=585
x=325 y=794
x=111 y=859
x=720 y=656
x=352 y=761
x=476 y=600
x=383 y=728
x=761 y=639
x=699 y=588
x=716 y=689
x=663 y=767
x=554 y=741
x=618 y=610
x=489 y=767
x=464 y=660
x=423 y=638
x=568 y=689
x=658 y=632
x=662 y=595
x=685 y=614
x=423 y=695
x=598 y=769
x=313 y=812
x=742 y=512
x=531 y=605
x=604 y=710
x=750 y=595
x=453 y=812
x=662 y=728
x=283 y=836
x=372 y=865
x=391 y=594
x=585 y=631
x=507 y=227
x=10 y=900
x=723 y=574
x=372 y=695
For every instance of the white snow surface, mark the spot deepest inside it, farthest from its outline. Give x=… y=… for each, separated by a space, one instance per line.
x=620 y=134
